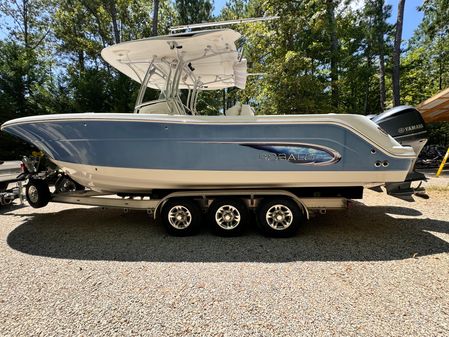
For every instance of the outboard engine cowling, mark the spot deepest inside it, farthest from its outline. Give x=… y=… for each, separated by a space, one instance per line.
x=406 y=125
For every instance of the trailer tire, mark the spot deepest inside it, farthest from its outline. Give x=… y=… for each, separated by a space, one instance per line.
x=66 y=184
x=181 y=217
x=37 y=193
x=228 y=217
x=279 y=217
x=5 y=201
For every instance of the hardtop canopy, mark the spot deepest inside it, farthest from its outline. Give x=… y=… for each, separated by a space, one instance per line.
x=211 y=59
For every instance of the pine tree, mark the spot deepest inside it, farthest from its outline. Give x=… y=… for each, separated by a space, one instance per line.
x=397 y=54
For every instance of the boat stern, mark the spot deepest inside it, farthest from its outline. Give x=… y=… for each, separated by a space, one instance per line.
x=406 y=125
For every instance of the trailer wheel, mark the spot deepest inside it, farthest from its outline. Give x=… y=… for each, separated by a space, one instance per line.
x=37 y=193
x=279 y=217
x=181 y=217
x=6 y=201
x=228 y=217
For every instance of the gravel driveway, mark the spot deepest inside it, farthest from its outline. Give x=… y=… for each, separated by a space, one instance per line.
x=381 y=268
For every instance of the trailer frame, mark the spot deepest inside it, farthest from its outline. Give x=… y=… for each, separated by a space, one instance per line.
x=252 y=198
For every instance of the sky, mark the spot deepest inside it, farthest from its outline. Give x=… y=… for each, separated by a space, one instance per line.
x=412 y=17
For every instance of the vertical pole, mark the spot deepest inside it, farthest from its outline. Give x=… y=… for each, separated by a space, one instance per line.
x=224 y=101
x=443 y=163
x=21 y=197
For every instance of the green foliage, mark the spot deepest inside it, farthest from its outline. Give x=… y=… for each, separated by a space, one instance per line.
x=24 y=90
x=27 y=21
x=426 y=64
x=84 y=28
x=296 y=54
x=25 y=69
x=198 y=11
x=431 y=43
x=439 y=133
x=193 y=11
x=417 y=82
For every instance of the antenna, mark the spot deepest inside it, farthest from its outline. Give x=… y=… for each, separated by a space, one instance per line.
x=220 y=23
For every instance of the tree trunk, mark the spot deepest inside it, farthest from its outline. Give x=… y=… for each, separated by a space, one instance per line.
x=333 y=52
x=381 y=42
x=382 y=95
x=113 y=11
x=155 y=17
x=25 y=25
x=368 y=62
x=27 y=43
x=397 y=54
x=81 y=62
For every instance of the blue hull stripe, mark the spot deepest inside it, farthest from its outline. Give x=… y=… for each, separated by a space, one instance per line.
x=161 y=145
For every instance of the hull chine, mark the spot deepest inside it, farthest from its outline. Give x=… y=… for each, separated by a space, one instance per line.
x=130 y=180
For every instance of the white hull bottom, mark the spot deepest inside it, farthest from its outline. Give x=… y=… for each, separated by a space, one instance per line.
x=115 y=180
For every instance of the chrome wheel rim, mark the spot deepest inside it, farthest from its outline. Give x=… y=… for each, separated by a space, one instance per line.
x=179 y=217
x=67 y=186
x=33 y=194
x=279 y=217
x=227 y=217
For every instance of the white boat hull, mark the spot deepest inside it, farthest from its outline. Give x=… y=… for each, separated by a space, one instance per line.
x=113 y=179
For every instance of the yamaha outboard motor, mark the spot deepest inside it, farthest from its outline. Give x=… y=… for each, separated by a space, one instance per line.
x=406 y=125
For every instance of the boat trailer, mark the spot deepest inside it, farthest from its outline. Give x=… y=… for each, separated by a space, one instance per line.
x=279 y=212
x=205 y=197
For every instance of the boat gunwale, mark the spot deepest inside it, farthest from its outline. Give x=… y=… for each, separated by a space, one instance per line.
x=208 y=120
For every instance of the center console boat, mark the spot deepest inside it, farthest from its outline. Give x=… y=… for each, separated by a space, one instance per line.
x=167 y=146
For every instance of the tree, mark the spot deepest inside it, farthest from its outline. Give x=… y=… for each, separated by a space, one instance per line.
x=26 y=86
x=155 y=17
x=316 y=57
x=397 y=54
x=84 y=28
x=193 y=11
x=333 y=50
x=381 y=14
x=28 y=32
x=425 y=70
x=29 y=21
x=416 y=81
x=434 y=33
x=380 y=25
x=375 y=15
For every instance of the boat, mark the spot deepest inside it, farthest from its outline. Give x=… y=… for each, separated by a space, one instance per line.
x=168 y=144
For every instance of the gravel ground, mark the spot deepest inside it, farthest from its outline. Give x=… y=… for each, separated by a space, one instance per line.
x=381 y=268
